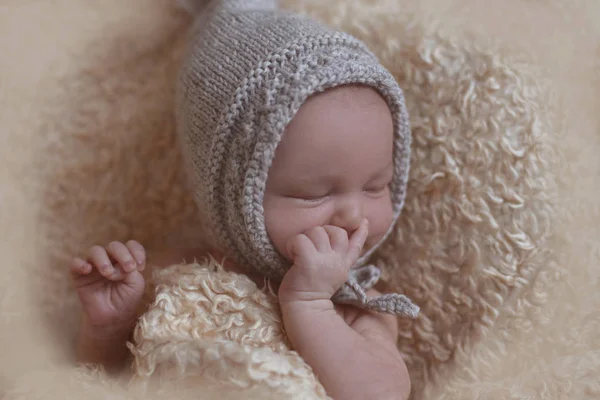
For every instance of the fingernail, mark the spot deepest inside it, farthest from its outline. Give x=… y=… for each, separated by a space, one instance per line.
x=117 y=273
x=106 y=267
x=129 y=265
x=140 y=262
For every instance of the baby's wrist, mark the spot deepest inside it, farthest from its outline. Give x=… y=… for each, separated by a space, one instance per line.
x=106 y=346
x=300 y=305
x=106 y=333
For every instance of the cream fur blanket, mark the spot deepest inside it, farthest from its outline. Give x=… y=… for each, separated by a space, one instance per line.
x=498 y=242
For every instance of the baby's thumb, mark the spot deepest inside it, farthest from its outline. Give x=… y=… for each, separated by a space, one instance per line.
x=357 y=241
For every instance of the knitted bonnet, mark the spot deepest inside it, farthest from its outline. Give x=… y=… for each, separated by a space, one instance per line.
x=248 y=69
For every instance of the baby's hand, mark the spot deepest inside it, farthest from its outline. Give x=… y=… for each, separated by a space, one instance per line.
x=110 y=285
x=322 y=260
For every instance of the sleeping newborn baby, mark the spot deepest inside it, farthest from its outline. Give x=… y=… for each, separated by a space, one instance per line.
x=296 y=141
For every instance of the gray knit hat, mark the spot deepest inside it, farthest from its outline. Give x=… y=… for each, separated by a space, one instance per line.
x=248 y=69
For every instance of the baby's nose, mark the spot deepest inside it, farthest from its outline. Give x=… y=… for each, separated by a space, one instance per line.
x=348 y=214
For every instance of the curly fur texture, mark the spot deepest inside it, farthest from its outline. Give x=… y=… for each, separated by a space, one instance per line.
x=506 y=276
x=209 y=324
x=478 y=219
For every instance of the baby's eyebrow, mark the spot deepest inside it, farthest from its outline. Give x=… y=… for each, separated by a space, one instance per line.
x=384 y=171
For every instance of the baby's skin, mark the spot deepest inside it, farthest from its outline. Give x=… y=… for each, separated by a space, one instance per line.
x=326 y=201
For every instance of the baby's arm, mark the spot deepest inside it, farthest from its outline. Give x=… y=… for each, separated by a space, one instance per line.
x=349 y=365
x=354 y=356
x=110 y=284
x=101 y=347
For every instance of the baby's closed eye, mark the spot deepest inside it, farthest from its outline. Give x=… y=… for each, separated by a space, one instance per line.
x=377 y=189
x=304 y=193
x=316 y=198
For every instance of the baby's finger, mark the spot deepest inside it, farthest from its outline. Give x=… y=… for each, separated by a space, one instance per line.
x=138 y=252
x=79 y=267
x=338 y=238
x=320 y=238
x=121 y=254
x=357 y=241
x=98 y=257
x=300 y=246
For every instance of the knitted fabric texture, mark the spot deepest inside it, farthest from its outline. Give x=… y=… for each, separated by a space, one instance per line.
x=248 y=70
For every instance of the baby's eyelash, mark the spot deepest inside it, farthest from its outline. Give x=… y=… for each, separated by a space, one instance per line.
x=379 y=186
x=314 y=199
x=307 y=198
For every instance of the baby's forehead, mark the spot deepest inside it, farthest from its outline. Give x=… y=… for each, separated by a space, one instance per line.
x=334 y=143
x=351 y=109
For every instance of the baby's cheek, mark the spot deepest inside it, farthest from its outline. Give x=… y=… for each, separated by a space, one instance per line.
x=283 y=222
x=277 y=225
x=380 y=218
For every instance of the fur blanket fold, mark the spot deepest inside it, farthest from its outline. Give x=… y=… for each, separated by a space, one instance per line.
x=206 y=324
x=498 y=242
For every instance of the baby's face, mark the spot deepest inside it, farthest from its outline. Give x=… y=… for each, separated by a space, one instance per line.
x=332 y=167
